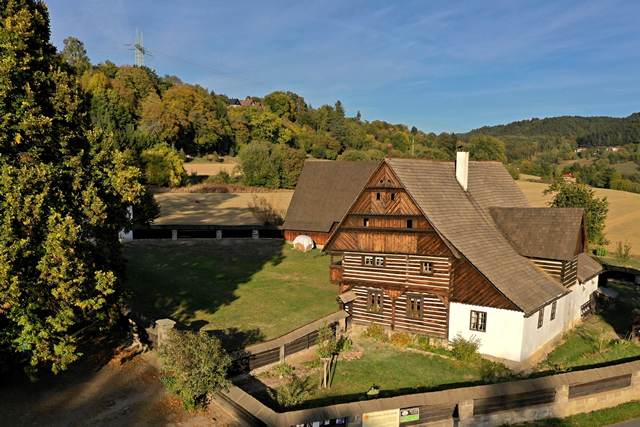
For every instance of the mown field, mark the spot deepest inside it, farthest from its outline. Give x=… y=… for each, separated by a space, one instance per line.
x=248 y=290
x=623 y=221
x=214 y=208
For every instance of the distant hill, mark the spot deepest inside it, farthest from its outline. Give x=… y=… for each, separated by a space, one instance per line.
x=587 y=131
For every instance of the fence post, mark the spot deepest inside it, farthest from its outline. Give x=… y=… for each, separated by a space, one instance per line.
x=635 y=379
x=218 y=234
x=561 y=400
x=255 y=234
x=282 y=353
x=465 y=412
x=164 y=326
x=174 y=234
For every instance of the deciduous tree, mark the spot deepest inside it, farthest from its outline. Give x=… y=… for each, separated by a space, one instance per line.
x=64 y=193
x=568 y=195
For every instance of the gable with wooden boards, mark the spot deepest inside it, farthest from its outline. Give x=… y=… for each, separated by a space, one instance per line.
x=423 y=238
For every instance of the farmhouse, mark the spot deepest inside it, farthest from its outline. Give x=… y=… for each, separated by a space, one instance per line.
x=444 y=248
x=324 y=192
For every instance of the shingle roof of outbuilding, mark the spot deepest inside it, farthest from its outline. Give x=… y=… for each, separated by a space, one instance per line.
x=324 y=192
x=550 y=233
x=463 y=218
x=588 y=268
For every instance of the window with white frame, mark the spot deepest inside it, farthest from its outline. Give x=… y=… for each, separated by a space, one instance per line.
x=367 y=260
x=478 y=321
x=375 y=301
x=414 y=306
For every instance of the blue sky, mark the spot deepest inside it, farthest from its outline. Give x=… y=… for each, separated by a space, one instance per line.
x=441 y=66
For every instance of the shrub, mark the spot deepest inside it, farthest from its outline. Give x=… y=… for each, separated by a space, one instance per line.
x=401 y=339
x=492 y=372
x=374 y=331
x=327 y=343
x=265 y=212
x=283 y=370
x=602 y=251
x=344 y=344
x=293 y=393
x=222 y=177
x=623 y=251
x=194 y=365
x=465 y=350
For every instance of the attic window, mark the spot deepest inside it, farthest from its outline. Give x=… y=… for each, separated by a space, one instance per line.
x=393 y=196
x=409 y=223
x=366 y=222
x=540 y=317
x=377 y=196
x=427 y=268
x=382 y=181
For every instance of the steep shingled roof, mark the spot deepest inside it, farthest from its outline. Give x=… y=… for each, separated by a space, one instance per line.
x=324 y=192
x=588 y=268
x=550 y=233
x=463 y=218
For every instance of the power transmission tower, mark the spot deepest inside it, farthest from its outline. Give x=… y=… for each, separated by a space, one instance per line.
x=139 y=50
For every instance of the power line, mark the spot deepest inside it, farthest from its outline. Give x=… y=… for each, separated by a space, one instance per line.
x=142 y=51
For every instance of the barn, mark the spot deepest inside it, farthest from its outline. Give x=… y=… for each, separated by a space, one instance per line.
x=448 y=248
x=324 y=192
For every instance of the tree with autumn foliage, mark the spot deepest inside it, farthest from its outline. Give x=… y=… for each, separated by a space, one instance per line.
x=64 y=192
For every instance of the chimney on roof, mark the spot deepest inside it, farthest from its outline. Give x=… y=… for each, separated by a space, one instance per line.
x=462 y=168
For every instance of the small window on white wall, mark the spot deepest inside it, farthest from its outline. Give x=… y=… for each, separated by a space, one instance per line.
x=553 y=310
x=478 y=321
x=540 y=317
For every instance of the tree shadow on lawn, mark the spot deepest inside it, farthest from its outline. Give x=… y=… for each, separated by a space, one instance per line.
x=184 y=279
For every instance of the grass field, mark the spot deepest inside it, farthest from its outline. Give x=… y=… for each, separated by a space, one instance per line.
x=623 y=221
x=213 y=208
x=251 y=290
x=201 y=166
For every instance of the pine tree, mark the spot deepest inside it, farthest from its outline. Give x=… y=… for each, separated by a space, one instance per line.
x=64 y=193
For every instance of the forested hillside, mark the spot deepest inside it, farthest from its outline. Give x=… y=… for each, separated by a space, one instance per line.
x=160 y=121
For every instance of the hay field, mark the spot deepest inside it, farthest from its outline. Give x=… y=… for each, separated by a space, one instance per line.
x=208 y=168
x=623 y=221
x=214 y=208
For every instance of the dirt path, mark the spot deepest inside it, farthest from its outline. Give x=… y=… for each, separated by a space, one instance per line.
x=126 y=391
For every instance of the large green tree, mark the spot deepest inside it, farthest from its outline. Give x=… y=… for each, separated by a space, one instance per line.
x=482 y=147
x=568 y=195
x=64 y=193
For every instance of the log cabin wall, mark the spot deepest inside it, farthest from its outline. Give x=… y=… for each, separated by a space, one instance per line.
x=398 y=271
x=565 y=271
x=432 y=320
x=570 y=272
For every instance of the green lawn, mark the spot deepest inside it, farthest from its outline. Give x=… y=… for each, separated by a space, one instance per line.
x=252 y=289
x=605 y=417
x=593 y=343
x=394 y=371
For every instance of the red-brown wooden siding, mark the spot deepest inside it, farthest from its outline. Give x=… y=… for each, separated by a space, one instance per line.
x=471 y=287
x=399 y=271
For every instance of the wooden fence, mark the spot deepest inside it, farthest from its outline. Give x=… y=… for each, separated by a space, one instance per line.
x=179 y=231
x=277 y=350
x=489 y=405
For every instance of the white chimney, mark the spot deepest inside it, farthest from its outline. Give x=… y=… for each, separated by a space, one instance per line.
x=462 y=168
